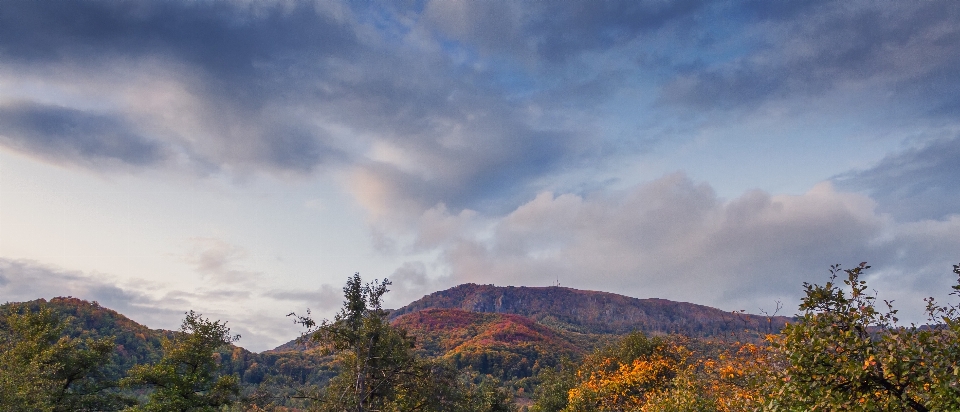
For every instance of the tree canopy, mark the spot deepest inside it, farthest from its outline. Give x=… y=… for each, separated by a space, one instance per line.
x=186 y=378
x=42 y=369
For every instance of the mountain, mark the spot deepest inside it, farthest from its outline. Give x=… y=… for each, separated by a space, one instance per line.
x=592 y=312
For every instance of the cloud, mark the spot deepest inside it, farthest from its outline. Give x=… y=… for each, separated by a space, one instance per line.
x=325 y=298
x=234 y=68
x=909 y=49
x=555 y=32
x=411 y=282
x=915 y=184
x=285 y=88
x=88 y=139
x=675 y=238
x=228 y=39
x=472 y=105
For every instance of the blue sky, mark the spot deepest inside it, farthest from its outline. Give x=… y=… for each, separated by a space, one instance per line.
x=242 y=159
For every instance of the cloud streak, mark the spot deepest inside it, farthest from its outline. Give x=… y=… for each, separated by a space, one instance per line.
x=63 y=134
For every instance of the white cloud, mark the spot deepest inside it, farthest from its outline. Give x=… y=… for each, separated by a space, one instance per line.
x=674 y=238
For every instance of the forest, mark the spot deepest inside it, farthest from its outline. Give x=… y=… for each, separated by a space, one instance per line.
x=843 y=351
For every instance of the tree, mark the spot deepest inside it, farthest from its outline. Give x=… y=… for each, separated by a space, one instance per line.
x=555 y=383
x=374 y=357
x=720 y=376
x=185 y=379
x=378 y=368
x=845 y=354
x=42 y=369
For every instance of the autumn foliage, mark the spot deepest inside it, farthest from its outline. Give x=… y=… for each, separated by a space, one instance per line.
x=842 y=354
x=665 y=373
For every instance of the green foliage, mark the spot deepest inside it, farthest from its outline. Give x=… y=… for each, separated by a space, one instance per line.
x=845 y=354
x=488 y=396
x=42 y=370
x=436 y=386
x=185 y=379
x=555 y=384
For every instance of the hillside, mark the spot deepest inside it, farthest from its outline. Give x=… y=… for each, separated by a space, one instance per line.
x=135 y=343
x=503 y=345
x=138 y=344
x=594 y=312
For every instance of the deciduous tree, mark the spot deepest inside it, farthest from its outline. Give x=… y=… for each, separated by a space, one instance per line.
x=186 y=378
x=845 y=354
x=42 y=369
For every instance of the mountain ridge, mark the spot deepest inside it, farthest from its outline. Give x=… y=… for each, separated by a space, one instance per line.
x=595 y=312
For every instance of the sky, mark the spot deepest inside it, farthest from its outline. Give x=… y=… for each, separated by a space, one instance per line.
x=244 y=158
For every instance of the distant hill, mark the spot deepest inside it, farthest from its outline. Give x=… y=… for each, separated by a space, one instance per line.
x=135 y=343
x=595 y=312
x=138 y=344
